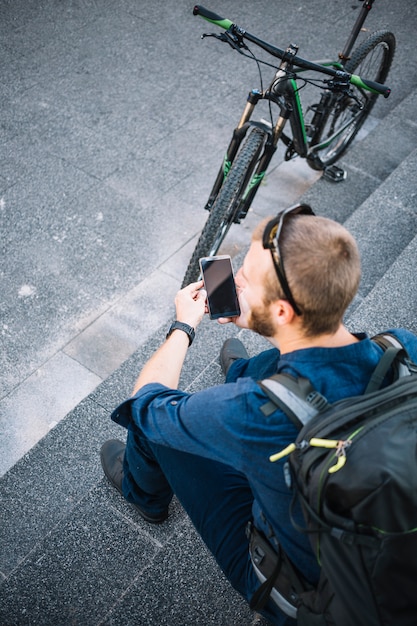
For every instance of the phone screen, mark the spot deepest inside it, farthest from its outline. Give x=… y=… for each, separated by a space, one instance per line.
x=220 y=285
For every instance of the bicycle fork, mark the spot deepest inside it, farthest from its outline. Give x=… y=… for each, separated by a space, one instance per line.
x=263 y=158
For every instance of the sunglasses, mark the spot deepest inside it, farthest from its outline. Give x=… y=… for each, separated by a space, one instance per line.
x=270 y=241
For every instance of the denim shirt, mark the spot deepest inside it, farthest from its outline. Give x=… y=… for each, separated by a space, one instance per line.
x=225 y=423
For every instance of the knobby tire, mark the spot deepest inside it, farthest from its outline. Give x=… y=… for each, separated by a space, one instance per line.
x=226 y=206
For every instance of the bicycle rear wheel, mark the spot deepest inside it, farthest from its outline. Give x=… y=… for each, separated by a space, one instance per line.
x=226 y=207
x=371 y=60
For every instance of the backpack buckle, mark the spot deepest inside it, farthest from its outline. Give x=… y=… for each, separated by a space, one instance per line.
x=316 y=400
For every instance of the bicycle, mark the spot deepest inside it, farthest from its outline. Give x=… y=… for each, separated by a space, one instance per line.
x=345 y=102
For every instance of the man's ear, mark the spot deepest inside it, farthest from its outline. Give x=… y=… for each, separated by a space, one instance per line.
x=283 y=312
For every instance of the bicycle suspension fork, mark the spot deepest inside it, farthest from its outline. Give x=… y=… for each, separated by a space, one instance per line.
x=269 y=149
x=237 y=137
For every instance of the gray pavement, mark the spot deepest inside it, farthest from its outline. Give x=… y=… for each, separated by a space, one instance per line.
x=114 y=119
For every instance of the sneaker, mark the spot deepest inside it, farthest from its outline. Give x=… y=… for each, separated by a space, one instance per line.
x=232 y=350
x=111 y=455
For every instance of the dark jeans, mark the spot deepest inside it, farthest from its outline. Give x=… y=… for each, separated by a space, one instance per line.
x=216 y=497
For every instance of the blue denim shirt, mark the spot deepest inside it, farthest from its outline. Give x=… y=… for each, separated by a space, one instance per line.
x=225 y=423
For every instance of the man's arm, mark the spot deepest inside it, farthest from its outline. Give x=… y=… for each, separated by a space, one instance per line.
x=166 y=364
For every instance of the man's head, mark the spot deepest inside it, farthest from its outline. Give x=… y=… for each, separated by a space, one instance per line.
x=322 y=268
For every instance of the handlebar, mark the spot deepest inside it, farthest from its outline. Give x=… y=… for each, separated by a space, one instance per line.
x=226 y=24
x=212 y=17
x=370 y=85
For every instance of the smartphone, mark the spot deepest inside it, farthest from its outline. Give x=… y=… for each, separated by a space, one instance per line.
x=217 y=273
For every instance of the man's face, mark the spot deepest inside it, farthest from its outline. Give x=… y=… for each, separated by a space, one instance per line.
x=250 y=282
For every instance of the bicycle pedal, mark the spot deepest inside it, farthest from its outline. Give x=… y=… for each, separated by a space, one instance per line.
x=334 y=173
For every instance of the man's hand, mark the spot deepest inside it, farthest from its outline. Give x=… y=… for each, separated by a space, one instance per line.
x=227 y=320
x=190 y=304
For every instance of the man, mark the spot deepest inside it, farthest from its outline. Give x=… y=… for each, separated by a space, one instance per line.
x=212 y=448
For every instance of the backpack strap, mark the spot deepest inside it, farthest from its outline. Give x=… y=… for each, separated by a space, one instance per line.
x=385 y=340
x=395 y=355
x=296 y=397
x=300 y=401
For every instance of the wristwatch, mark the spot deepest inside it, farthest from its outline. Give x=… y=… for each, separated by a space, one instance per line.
x=189 y=330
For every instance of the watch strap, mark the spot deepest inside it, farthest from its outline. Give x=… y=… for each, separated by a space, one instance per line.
x=188 y=330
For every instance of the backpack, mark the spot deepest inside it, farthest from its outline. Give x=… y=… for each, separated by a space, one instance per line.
x=353 y=467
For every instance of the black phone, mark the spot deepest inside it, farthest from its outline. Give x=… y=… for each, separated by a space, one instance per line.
x=217 y=273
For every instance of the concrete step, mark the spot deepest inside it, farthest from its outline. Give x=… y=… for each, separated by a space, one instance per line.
x=393 y=300
x=385 y=223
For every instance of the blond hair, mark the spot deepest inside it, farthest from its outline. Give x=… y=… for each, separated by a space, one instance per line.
x=322 y=266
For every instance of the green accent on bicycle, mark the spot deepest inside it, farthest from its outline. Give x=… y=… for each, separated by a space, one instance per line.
x=358 y=82
x=336 y=64
x=226 y=24
x=226 y=167
x=256 y=180
x=299 y=109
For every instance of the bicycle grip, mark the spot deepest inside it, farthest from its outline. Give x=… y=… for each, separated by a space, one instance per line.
x=212 y=17
x=370 y=85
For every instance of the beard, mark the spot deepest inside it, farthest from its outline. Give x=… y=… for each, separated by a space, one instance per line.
x=260 y=321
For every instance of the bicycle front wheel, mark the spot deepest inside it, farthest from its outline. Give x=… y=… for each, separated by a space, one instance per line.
x=226 y=207
x=371 y=60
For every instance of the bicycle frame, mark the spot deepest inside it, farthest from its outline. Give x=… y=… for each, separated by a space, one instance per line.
x=345 y=54
x=288 y=100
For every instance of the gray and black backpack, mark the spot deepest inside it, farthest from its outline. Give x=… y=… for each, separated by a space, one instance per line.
x=353 y=467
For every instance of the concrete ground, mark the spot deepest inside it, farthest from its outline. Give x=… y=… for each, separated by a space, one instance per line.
x=114 y=122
